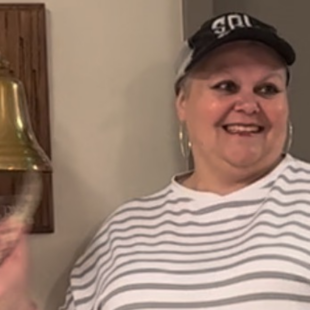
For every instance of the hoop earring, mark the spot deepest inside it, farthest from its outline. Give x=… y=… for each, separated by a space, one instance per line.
x=289 y=138
x=185 y=144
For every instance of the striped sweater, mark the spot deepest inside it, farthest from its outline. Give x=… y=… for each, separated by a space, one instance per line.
x=183 y=249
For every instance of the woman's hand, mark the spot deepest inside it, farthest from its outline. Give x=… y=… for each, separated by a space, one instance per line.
x=14 y=285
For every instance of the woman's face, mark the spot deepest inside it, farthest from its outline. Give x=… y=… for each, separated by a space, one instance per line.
x=235 y=106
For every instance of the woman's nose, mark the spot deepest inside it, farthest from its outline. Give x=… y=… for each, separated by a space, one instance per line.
x=247 y=104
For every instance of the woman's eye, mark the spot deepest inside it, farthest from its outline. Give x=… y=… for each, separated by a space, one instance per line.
x=267 y=90
x=226 y=86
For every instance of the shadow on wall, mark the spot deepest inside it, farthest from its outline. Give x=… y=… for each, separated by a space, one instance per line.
x=149 y=150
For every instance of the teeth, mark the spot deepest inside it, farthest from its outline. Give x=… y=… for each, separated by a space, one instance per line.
x=241 y=129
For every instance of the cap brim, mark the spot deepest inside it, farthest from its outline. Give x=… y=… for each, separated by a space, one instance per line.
x=279 y=45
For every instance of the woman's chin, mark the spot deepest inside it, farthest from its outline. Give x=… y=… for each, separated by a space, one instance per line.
x=243 y=159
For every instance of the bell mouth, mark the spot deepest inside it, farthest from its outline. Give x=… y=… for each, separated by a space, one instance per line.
x=15 y=157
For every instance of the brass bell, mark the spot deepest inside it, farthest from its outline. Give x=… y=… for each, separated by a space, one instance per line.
x=19 y=148
x=22 y=163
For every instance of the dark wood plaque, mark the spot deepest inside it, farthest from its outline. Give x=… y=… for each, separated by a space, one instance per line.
x=23 y=43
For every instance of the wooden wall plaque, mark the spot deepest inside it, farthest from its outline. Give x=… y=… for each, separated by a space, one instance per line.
x=23 y=44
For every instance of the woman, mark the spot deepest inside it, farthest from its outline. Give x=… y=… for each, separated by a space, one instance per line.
x=232 y=233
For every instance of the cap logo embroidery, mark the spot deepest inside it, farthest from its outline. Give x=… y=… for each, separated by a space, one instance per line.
x=223 y=25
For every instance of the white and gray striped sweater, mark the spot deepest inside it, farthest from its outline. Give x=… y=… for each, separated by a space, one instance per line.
x=182 y=249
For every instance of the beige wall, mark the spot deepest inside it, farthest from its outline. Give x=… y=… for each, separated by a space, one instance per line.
x=114 y=134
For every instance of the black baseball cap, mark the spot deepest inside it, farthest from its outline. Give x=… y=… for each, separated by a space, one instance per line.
x=226 y=28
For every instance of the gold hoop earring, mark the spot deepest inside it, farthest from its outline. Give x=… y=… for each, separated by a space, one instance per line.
x=185 y=144
x=289 y=137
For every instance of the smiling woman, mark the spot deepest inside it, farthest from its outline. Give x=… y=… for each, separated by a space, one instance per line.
x=236 y=112
x=233 y=233
x=230 y=234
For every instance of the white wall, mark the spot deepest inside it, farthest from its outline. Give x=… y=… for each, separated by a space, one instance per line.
x=114 y=134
